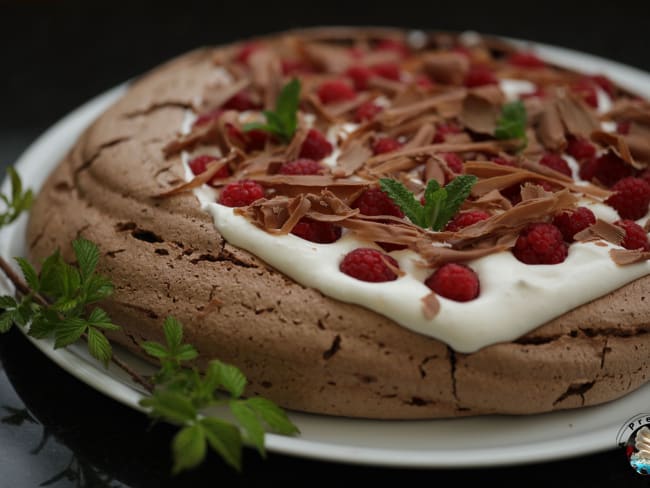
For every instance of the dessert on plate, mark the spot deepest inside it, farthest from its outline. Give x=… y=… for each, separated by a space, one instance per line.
x=373 y=222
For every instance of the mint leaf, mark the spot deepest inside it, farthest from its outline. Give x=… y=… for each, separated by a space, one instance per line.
x=273 y=416
x=457 y=191
x=173 y=332
x=69 y=331
x=225 y=439
x=31 y=277
x=405 y=200
x=98 y=346
x=171 y=406
x=228 y=376
x=512 y=122
x=247 y=418
x=440 y=204
x=87 y=254
x=282 y=121
x=19 y=200
x=188 y=448
x=154 y=349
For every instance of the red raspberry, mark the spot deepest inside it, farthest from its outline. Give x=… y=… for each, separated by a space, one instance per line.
x=502 y=161
x=454 y=281
x=454 y=162
x=335 y=91
x=393 y=45
x=580 y=148
x=631 y=198
x=424 y=82
x=360 y=76
x=246 y=51
x=256 y=139
x=556 y=162
x=235 y=135
x=588 y=169
x=199 y=164
x=444 y=129
x=586 y=89
x=607 y=169
x=605 y=84
x=369 y=265
x=207 y=117
x=366 y=111
x=635 y=236
x=573 y=221
x=375 y=202
x=389 y=71
x=241 y=101
x=645 y=175
x=315 y=231
x=301 y=167
x=294 y=66
x=464 y=50
x=385 y=145
x=524 y=59
x=465 y=219
x=623 y=127
x=540 y=244
x=315 y=146
x=241 y=193
x=479 y=75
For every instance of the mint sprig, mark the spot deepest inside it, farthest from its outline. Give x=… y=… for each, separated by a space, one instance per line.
x=282 y=121
x=65 y=316
x=17 y=202
x=440 y=204
x=512 y=122
x=182 y=395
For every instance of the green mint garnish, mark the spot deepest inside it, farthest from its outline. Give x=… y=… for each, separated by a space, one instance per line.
x=440 y=204
x=182 y=394
x=17 y=202
x=512 y=122
x=282 y=121
x=55 y=303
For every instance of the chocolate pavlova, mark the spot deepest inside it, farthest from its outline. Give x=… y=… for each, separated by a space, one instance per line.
x=375 y=223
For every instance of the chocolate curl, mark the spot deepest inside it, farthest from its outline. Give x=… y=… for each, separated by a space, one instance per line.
x=618 y=144
x=430 y=306
x=352 y=158
x=601 y=230
x=624 y=257
x=395 y=116
x=211 y=169
x=497 y=177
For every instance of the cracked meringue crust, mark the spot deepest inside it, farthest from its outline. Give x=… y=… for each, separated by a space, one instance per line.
x=296 y=346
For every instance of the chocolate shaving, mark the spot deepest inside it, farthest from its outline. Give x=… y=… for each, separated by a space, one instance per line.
x=623 y=257
x=396 y=115
x=422 y=137
x=550 y=129
x=446 y=67
x=492 y=147
x=492 y=200
x=617 y=144
x=601 y=230
x=430 y=306
x=331 y=59
x=436 y=169
x=630 y=110
x=211 y=169
x=215 y=96
x=576 y=116
x=435 y=256
x=498 y=177
x=352 y=158
x=481 y=110
x=293 y=149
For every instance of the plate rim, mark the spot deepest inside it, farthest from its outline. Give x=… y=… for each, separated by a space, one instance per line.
x=548 y=450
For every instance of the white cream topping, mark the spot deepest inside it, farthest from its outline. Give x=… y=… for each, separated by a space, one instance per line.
x=642 y=442
x=514 y=299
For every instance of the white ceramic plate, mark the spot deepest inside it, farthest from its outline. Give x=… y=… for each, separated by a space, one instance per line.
x=472 y=442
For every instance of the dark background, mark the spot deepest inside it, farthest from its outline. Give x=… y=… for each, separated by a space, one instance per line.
x=55 y=55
